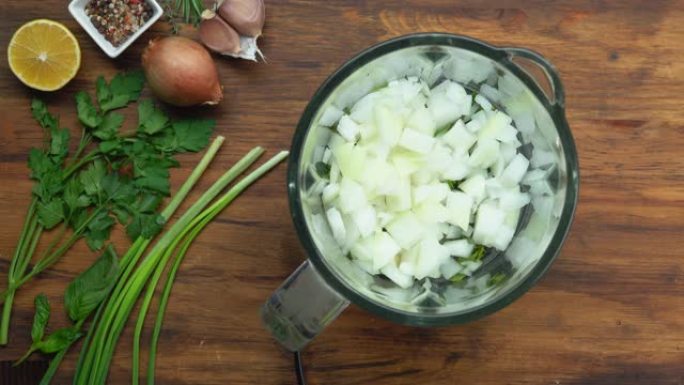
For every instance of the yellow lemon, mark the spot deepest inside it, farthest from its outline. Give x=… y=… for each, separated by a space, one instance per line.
x=44 y=55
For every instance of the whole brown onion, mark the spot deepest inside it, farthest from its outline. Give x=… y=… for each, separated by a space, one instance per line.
x=181 y=72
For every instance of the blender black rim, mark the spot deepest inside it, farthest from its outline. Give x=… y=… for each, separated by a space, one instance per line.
x=555 y=110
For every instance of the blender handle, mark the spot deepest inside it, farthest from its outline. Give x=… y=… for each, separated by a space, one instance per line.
x=524 y=55
x=301 y=308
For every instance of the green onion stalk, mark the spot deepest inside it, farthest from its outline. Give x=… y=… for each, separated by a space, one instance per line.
x=137 y=249
x=97 y=353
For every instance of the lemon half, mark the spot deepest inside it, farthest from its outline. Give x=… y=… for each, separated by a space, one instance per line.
x=44 y=55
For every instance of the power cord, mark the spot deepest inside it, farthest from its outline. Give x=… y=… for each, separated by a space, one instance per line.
x=299 y=369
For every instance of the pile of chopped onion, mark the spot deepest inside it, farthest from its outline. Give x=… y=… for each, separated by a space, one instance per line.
x=419 y=177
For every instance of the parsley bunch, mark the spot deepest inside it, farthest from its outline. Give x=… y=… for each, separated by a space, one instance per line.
x=122 y=178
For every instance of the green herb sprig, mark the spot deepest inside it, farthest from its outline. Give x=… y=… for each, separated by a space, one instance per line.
x=123 y=178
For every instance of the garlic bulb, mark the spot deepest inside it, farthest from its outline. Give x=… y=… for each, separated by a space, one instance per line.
x=217 y=35
x=246 y=16
x=234 y=27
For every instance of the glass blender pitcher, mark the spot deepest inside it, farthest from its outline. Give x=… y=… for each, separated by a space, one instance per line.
x=529 y=90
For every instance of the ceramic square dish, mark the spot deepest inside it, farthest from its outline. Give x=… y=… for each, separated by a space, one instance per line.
x=77 y=10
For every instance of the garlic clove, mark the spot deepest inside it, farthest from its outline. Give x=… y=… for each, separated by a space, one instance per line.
x=246 y=16
x=217 y=35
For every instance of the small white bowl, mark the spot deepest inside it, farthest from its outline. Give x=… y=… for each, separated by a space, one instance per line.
x=77 y=10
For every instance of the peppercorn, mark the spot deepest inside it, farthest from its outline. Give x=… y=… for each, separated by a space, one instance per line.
x=117 y=20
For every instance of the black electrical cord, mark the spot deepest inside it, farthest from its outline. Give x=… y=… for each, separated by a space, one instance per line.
x=299 y=369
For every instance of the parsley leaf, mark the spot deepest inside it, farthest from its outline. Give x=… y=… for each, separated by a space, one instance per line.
x=458 y=278
x=50 y=214
x=99 y=229
x=109 y=126
x=74 y=196
x=145 y=225
x=453 y=184
x=123 y=89
x=87 y=113
x=193 y=135
x=153 y=177
x=497 y=279
x=478 y=253
x=42 y=116
x=92 y=176
x=39 y=163
x=59 y=142
x=151 y=120
x=323 y=170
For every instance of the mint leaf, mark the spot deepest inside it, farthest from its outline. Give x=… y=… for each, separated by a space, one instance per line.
x=193 y=135
x=40 y=318
x=58 y=340
x=109 y=127
x=50 y=214
x=151 y=119
x=87 y=113
x=92 y=286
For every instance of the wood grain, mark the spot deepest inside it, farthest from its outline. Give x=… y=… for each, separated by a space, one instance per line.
x=608 y=312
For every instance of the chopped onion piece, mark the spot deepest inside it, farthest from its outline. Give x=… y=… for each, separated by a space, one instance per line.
x=459 y=138
x=474 y=186
x=392 y=272
x=352 y=197
x=330 y=116
x=348 y=129
x=384 y=249
x=336 y=224
x=460 y=248
x=416 y=141
x=515 y=171
x=366 y=220
x=406 y=229
x=485 y=154
x=488 y=220
x=459 y=205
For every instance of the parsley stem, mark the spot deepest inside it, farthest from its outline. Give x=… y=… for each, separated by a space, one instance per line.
x=27 y=239
x=82 y=144
x=48 y=259
x=85 y=160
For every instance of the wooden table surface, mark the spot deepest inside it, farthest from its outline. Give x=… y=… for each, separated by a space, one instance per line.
x=611 y=309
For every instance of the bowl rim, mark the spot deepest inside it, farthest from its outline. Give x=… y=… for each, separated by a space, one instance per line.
x=502 y=56
x=77 y=11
